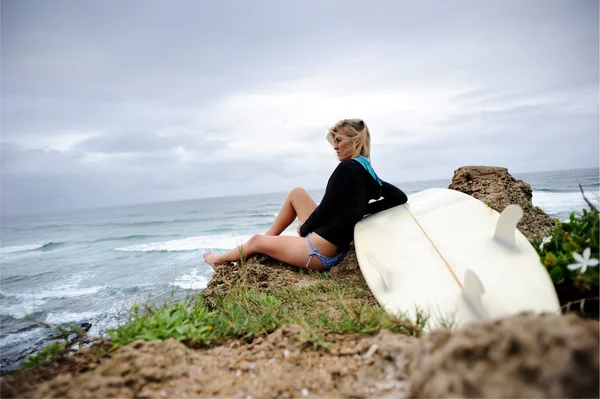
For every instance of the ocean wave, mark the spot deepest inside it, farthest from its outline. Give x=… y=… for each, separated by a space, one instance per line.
x=14 y=279
x=68 y=317
x=191 y=281
x=64 y=292
x=223 y=241
x=19 y=311
x=128 y=237
x=561 y=204
x=19 y=337
x=47 y=246
x=20 y=277
x=51 y=226
x=245 y=213
x=589 y=188
x=550 y=190
x=129 y=289
x=211 y=242
x=155 y=222
x=134 y=224
x=263 y=215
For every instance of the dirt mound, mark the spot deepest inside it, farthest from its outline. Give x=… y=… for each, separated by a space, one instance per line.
x=69 y=363
x=279 y=365
x=521 y=356
x=498 y=189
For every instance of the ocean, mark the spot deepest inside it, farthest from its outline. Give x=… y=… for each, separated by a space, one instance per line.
x=93 y=265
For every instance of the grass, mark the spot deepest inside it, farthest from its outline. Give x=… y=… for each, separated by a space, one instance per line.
x=321 y=308
x=70 y=336
x=42 y=356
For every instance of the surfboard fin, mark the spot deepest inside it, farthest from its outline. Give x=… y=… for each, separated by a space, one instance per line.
x=385 y=274
x=473 y=290
x=507 y=224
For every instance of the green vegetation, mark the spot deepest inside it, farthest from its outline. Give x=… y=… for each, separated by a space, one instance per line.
x=570 y=254
x=45 y=354
x=70 y=335
x=247 y=313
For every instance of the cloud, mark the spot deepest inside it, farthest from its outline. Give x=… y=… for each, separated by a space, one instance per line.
x=142 y=142
x=50 y=180
x=111 y=102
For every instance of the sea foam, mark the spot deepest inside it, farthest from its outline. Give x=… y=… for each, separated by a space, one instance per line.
x=20 y=310
x=66 y=292
x=46 y=246
x=191 y=281
x=224 y=241
x=68 y=317
x=29 y=336
x=20 y=248
x=30 y=298
x=211 y=242
x=561 y=204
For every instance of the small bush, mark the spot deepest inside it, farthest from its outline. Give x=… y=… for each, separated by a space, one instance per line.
x=190 y=324
x=570 y=254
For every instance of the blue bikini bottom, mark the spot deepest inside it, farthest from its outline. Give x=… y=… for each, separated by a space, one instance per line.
x=327 y=261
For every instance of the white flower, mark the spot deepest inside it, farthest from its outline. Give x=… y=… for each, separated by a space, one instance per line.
x=545 y=241
x=583 y=261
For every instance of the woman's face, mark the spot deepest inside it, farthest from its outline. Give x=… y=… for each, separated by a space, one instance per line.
x=342 y=145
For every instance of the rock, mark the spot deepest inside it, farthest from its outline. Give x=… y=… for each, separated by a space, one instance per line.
x=497 y=188
x=526 y=355
x=371 y=351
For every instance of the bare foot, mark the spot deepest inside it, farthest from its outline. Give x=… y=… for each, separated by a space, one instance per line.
x=211 y=259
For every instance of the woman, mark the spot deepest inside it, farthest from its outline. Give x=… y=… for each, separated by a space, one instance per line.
x=328 y=228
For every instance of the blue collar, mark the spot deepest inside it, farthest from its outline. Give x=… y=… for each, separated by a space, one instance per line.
x=364 y=161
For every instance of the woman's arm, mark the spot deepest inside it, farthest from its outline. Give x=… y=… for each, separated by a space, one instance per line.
x=392 y=196
x=336 y=187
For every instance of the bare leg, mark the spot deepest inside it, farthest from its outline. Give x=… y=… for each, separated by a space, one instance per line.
x=297 y=204
x=287 y=249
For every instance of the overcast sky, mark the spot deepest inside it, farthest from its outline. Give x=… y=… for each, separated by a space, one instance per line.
x=117 y=102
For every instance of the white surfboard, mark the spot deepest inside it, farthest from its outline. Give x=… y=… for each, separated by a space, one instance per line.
x=454 y=257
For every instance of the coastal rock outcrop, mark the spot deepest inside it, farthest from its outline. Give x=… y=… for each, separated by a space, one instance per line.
x=498 y=189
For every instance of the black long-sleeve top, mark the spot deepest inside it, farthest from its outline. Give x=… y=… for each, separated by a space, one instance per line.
x=346 y=201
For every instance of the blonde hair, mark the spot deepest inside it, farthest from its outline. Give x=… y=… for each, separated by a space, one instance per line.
x=357 y=131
